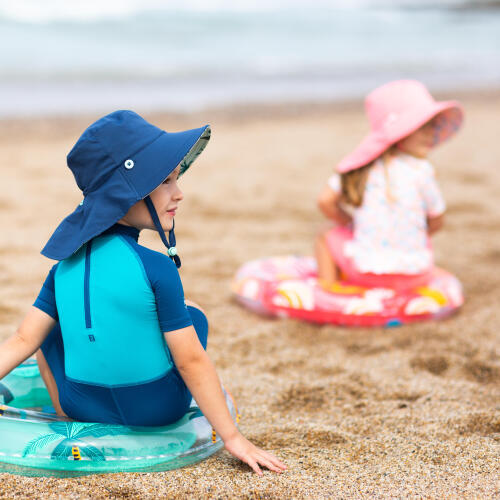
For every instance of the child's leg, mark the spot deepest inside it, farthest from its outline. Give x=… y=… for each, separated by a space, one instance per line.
x=50 y=358
x=327 y=269
x=191 y=303
x=50 y=382
x=200 y=322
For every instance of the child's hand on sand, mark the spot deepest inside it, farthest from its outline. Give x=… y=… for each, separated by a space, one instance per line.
x=243 y=449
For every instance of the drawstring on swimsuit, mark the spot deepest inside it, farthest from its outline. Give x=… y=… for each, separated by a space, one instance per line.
x=170 y=242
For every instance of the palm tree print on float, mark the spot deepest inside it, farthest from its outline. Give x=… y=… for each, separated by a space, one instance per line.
x=71 y=444
x=7 y=395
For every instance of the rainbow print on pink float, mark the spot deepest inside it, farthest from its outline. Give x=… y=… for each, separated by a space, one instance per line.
x=287 y=287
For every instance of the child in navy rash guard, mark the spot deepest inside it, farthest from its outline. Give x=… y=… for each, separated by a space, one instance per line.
x=118 y=343
x=131 y=379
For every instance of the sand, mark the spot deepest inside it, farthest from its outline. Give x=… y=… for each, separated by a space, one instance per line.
x=407 y=412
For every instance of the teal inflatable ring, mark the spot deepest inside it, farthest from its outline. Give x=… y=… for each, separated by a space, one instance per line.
x=36 y=442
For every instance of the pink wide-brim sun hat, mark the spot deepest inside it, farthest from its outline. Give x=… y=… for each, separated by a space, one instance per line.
x=396 y=110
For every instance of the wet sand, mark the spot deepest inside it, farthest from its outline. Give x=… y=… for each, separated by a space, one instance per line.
x=407 y=412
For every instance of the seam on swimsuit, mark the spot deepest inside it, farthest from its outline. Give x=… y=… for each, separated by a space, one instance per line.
x=117 y=386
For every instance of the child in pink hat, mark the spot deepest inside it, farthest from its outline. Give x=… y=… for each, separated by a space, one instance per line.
x=384 y=198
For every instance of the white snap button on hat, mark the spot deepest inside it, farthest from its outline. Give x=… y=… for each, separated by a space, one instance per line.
x=129 y=164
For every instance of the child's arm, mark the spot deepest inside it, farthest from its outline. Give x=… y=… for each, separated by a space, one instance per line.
x=200 y=376
x=329 y=204
x=434 y=203
x=434 y=224
x=25 y=341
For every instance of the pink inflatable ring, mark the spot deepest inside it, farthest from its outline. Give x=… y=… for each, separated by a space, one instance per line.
x=288 y=287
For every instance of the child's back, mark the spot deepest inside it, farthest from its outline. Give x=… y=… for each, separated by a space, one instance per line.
x=390 y=227
x=385 y=197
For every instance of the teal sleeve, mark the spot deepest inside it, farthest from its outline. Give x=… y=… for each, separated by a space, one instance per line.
x=167 y=287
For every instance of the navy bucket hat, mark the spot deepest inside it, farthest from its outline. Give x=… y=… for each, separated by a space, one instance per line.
x=119 y=160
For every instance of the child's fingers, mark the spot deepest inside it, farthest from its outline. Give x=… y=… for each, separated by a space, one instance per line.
x=253 y=456
x=271 y=462
x=254 y=465
x=275 y=461
x=269 y=465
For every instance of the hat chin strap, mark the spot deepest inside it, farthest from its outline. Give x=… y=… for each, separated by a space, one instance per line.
x=170 y=242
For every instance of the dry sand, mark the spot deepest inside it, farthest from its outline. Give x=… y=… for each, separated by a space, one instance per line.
x=407 y=412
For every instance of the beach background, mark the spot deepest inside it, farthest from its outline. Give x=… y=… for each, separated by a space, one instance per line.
x=355 y=413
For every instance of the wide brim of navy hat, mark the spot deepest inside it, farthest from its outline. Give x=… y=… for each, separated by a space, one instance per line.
x=131 y=181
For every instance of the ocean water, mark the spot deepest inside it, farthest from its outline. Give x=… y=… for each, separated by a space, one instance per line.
x=70 y=57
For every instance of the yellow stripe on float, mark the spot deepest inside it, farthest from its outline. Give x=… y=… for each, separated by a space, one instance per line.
x=290 y=299
x=433 y=294
x=341 y=289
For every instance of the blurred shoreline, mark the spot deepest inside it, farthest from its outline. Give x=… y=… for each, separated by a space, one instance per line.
x=48 y=99
x=234 y=112
x=151 y=56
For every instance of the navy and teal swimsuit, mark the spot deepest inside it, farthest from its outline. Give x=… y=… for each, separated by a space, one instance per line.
x=113 y=299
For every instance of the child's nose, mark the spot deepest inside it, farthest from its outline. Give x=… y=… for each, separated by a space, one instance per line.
x=179 y=195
